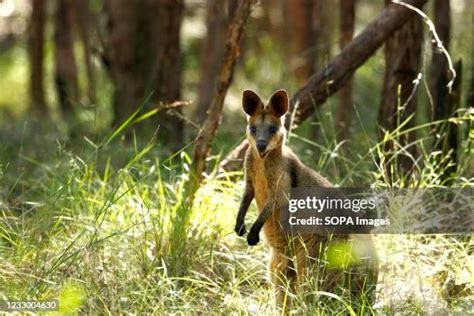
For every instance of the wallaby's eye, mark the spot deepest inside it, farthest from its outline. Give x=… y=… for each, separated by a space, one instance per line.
x=253 y=129
x=272 y=129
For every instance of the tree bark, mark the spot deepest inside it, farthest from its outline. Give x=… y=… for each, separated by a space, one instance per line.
x=300 y=39
x=66 y=78
x=120 y=56
x=168 y=76
x=449 y=143
x=212 y=50
x=344 y=110
x=322 y=17
x=272 y=19
x=444 y=105
x=330 y=79
x=324 y=26
x=439 y=66
x=36 y=54
x=399 y=96
x=170 y=16
x=207 y=133
x=83 y=20
x=144 y=58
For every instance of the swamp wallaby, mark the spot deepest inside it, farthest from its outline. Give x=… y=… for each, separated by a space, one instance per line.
x=271 y=170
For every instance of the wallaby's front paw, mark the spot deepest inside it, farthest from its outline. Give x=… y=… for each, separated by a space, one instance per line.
x=253 y=238
x=240 y=229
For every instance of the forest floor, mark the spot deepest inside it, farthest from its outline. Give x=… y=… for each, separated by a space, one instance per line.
x=105 y=228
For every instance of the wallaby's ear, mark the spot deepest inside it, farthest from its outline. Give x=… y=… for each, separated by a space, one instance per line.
x=251 y=102
x=279 y=103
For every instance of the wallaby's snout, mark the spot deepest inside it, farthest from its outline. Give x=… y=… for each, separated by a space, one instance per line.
x=261 y=146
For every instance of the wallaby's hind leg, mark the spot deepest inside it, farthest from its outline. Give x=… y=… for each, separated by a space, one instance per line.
x=283 y=278
x=301 y=259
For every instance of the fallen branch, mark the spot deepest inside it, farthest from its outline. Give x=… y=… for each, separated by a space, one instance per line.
x=329 y=80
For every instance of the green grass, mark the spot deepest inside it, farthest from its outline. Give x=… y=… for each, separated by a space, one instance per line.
x=105 y=227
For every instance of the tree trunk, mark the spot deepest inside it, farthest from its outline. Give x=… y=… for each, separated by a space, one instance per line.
x=120 y=56
x=330 y=79
x=399 y=96
x=444 y=105
x=212 y=51
x=300 y=39
x=143 y=53
x=207 y=133
x=469 y=104
x=324 y=25
x=65 y=62
x=439 y=71
x=272 y=19
x=36 y=54
x=168 y=76
x=344 y=109
x=449 y=143
x=83 y=20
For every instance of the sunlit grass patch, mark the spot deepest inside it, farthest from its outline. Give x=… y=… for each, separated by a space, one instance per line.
x=419 y=270
x=110 y=227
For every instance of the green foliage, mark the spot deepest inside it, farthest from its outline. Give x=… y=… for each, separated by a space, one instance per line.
x=106 y=228
x=14 y=67
x=72 y=297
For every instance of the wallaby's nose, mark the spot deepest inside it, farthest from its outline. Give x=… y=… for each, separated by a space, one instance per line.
x=261 y=146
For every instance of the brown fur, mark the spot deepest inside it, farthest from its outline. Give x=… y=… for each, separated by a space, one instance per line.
x=269 y=176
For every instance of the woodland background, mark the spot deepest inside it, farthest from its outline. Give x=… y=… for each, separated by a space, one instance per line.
x=121 y=130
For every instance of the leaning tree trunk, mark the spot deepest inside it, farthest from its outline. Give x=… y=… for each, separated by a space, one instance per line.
x=344 y=109
x=212 y=50
x=399 y=95
x=329 y=80
x=65 y=62
x=36 y=54
x=207 y=133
